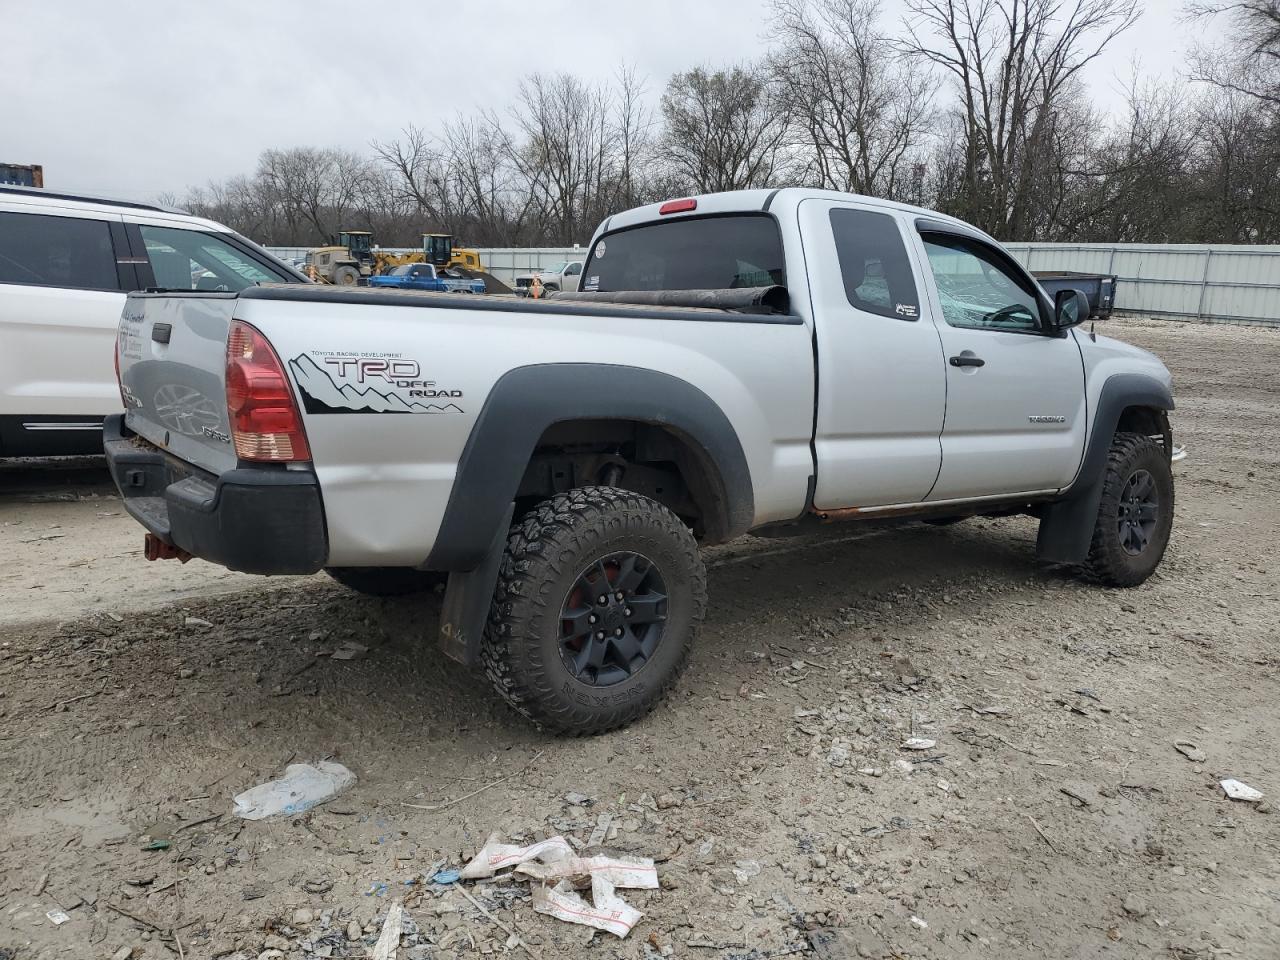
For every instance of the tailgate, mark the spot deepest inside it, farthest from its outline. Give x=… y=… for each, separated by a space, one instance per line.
x=172 y=351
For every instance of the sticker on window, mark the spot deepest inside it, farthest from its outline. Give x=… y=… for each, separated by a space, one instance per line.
x=600 y=248
x=592 y=284
x=905 y=309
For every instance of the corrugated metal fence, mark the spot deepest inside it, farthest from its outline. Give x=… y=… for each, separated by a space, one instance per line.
x=1228 y=283
x=1225 y=283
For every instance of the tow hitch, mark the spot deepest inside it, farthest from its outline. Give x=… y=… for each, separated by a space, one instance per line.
x=153 y=548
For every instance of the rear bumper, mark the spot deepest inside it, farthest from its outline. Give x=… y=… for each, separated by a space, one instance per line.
x=254 y=520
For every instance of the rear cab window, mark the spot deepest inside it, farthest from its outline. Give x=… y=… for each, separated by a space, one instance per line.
x=689 y=253
x=49 y=251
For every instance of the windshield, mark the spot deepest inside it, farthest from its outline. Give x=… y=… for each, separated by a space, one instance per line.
x=554 y=268
x=691 y=253
x=401 y=271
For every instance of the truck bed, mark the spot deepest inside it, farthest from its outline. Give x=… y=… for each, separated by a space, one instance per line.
x=391 y=396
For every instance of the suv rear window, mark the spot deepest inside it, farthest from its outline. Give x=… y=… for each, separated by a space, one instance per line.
x=57 y=252
x=692 y=253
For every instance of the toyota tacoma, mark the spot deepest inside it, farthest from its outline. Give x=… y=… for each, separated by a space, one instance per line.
x=749 y=361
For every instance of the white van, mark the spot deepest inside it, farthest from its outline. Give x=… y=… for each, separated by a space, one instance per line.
x=66 y=264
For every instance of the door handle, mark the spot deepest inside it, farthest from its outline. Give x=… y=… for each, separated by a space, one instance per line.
x=963 y=361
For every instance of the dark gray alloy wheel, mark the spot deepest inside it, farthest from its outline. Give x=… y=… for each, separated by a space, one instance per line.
x=613 y=619
x=1137 y=512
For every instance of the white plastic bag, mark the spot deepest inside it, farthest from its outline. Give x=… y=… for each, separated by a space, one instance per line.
x=301 y=788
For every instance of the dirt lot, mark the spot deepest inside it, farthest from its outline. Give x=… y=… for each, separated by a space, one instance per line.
x=1053 y=818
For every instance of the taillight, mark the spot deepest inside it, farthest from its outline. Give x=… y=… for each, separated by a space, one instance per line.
x=265 y=422
x=678 y=206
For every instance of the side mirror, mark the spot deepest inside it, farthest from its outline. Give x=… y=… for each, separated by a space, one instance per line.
x=1070 y=309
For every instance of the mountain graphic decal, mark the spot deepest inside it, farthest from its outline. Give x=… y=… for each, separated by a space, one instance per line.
x=322 y=394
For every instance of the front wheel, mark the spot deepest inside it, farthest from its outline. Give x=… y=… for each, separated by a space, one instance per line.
x=1135 y=516
x=600 y=594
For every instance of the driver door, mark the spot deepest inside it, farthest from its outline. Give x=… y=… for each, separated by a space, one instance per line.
x=1015 y=420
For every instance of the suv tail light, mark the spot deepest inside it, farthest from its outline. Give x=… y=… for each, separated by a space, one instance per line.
x=265 y=422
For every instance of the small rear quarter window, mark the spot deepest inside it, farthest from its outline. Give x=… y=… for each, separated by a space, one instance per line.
x=873 y=263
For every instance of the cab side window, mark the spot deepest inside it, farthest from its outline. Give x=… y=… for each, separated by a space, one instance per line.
x=874 y=264
x=977 y=289
x=67 y=252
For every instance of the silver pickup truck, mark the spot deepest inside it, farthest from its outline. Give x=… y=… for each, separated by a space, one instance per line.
x=751 y=361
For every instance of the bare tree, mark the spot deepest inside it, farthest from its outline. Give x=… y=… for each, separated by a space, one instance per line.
x=1249 y=61
x=1011 y=62
x=723 y=130
x=634 y=124
x=859 y=109
x=561 y=143
x=314 y=187
x=1021 y=150
x=1237 y=169
x=417 y=170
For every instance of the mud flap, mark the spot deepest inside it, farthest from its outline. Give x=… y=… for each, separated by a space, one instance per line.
x=467 y=599
x=1066 y=528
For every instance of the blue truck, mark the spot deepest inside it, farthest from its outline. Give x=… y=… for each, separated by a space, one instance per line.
x=426 y=276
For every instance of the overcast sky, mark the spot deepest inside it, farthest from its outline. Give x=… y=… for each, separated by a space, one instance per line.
x=140 y=97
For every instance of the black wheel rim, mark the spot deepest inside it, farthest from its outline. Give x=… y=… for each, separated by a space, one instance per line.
x=1136 y=518
x=612 y=619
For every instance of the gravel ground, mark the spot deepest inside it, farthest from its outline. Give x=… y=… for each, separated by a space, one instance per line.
x=1052 y=818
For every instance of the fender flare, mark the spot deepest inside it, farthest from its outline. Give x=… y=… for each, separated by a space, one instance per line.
x=527 y=400
x=1066 y=528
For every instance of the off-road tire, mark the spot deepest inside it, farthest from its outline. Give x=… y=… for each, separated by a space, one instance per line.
x=386 y=581
x=547 y=551
x=1109 y=562
x=346 y=276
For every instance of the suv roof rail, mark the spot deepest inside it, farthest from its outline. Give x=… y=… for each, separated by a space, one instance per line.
x=86 y=198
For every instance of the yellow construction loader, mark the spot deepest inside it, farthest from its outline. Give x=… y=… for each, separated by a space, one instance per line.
x=438 y=249
x=344 y=262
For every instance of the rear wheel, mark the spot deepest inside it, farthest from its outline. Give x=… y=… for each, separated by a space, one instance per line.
x=1135 y=516
x=386 y=581
x=600 y=594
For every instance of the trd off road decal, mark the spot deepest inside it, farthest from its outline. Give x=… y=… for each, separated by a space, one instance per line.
x=351 y=382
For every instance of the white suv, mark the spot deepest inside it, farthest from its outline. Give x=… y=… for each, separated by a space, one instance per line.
x=66 y=264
